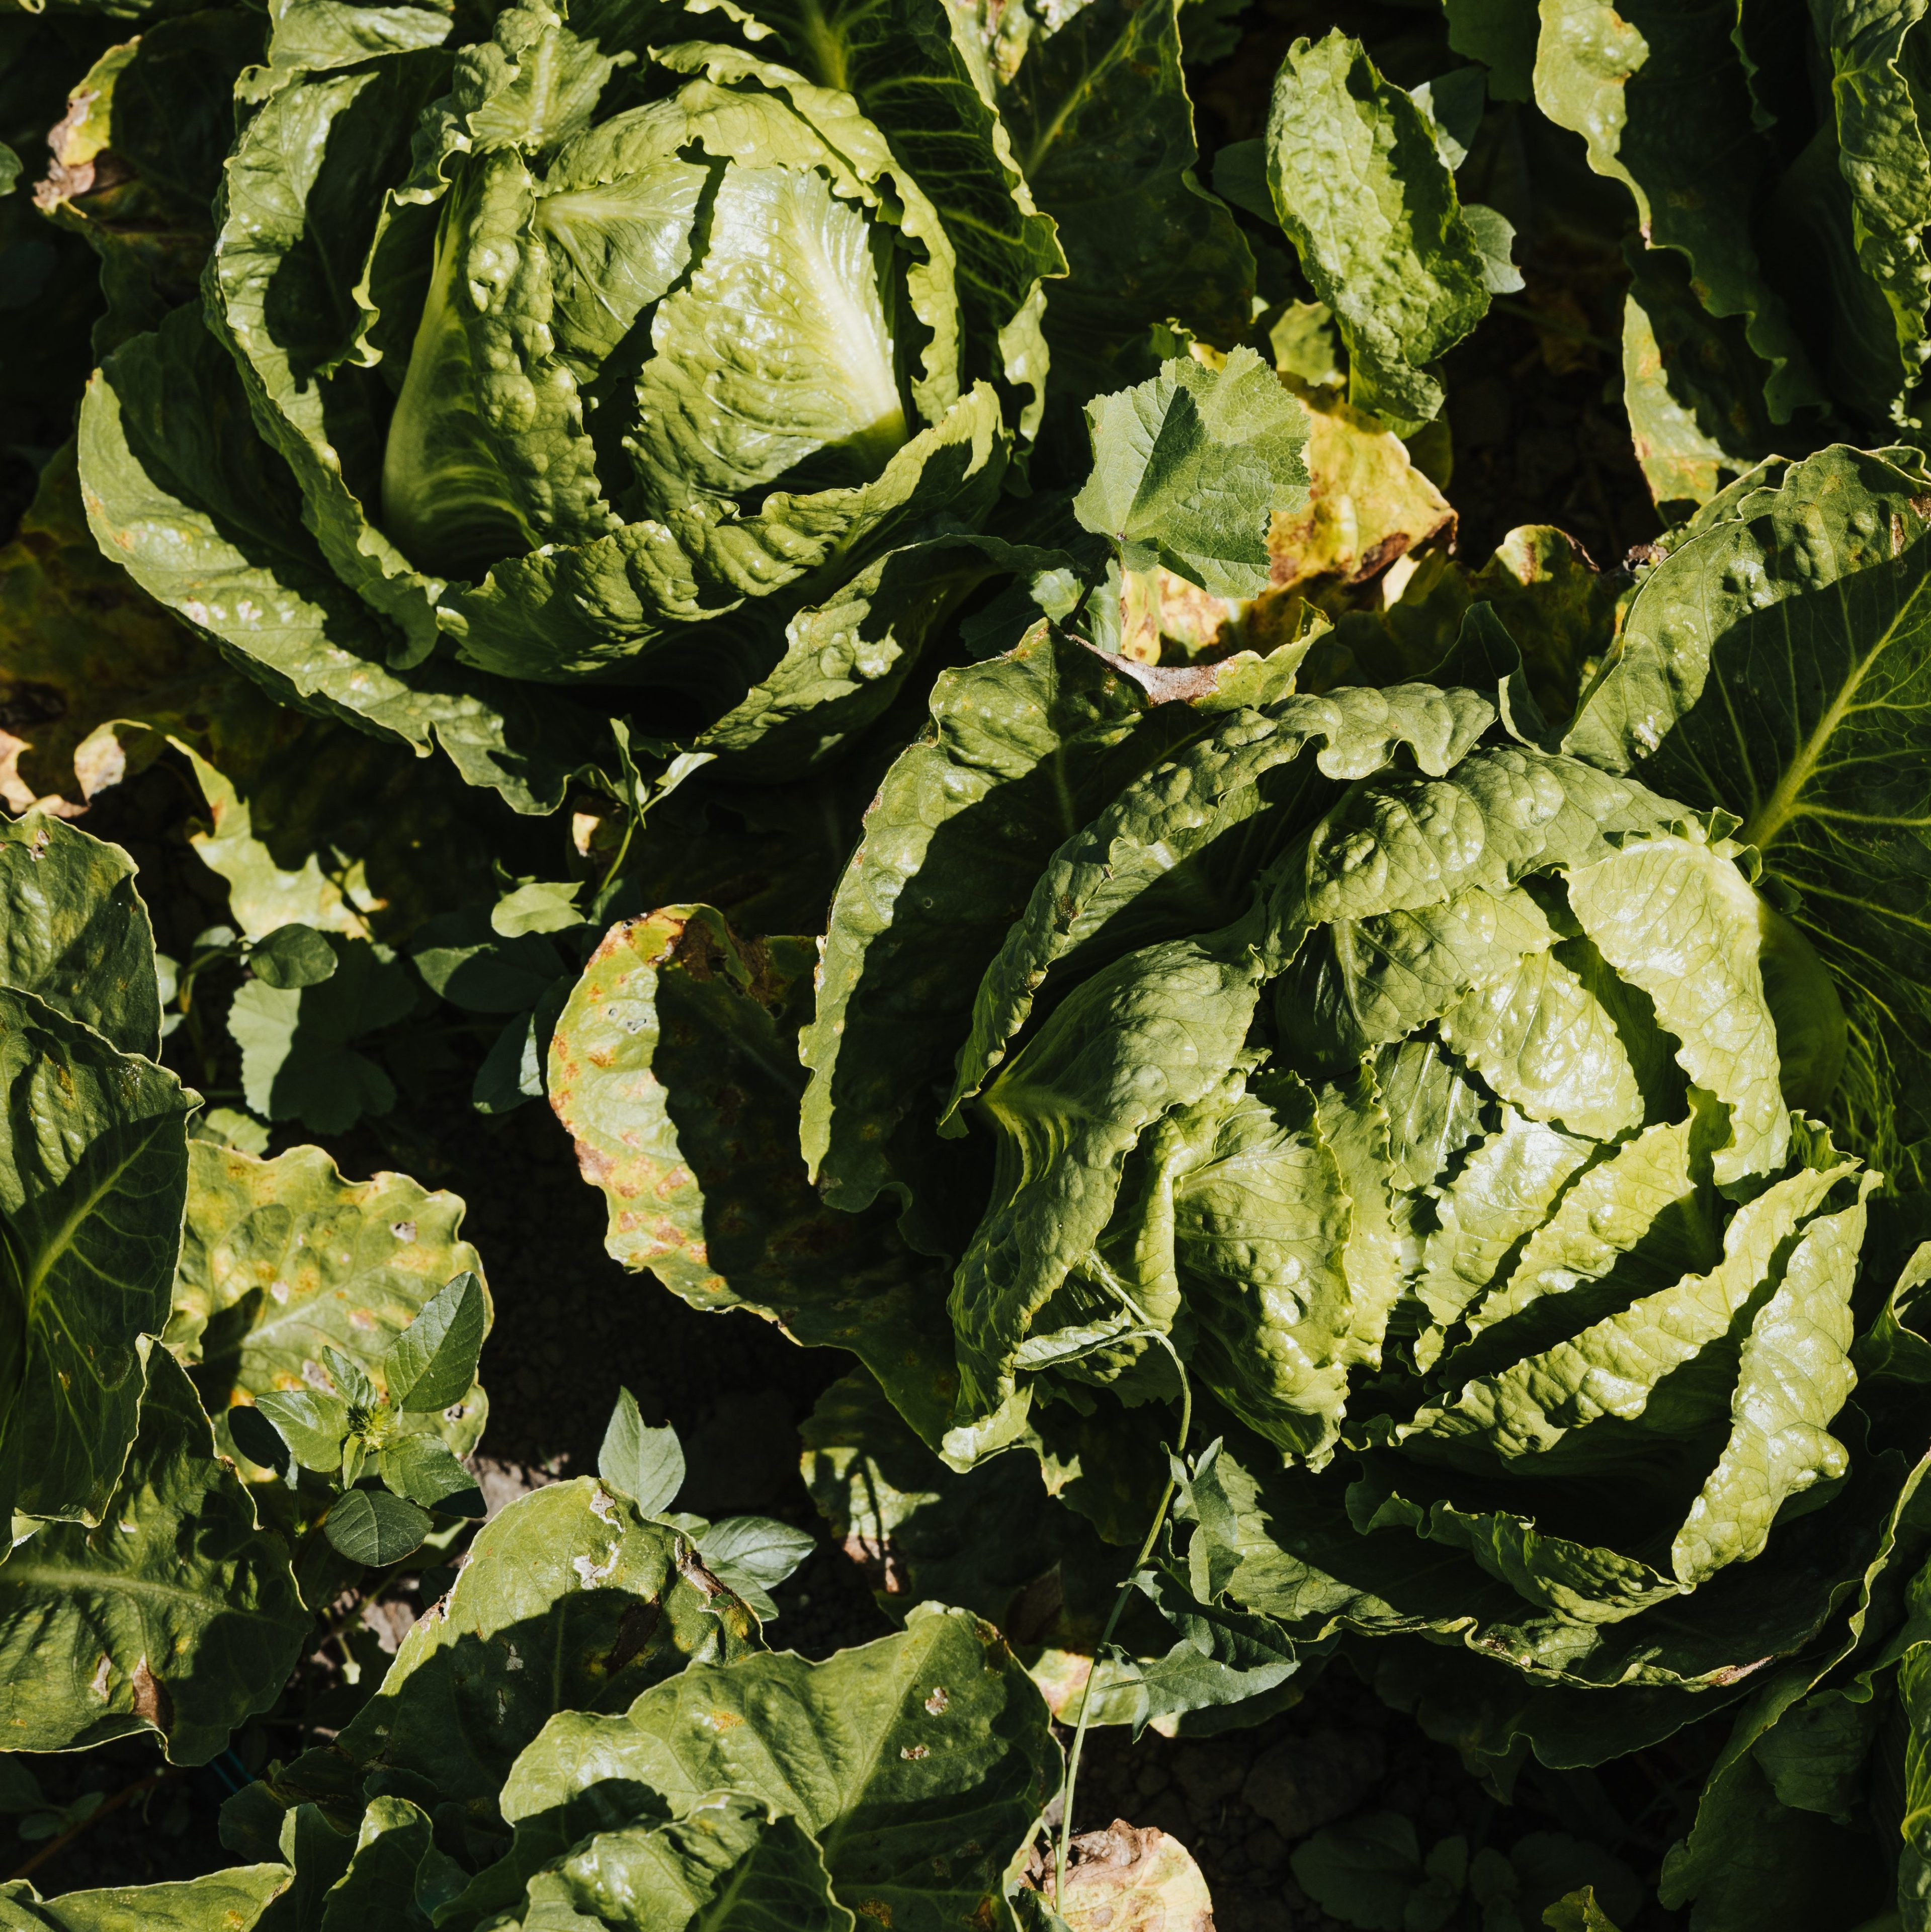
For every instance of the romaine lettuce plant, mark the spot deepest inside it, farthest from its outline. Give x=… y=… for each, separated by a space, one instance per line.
x=1480 y=1119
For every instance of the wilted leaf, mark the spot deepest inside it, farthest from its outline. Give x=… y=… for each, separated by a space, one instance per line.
x=1122 y=1879
x=82 y=647
x=1367 y=502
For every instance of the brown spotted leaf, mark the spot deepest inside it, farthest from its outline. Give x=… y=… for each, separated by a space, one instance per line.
x=282 y=1258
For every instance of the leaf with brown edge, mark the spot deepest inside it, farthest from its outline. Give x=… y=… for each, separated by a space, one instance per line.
x=674 y=1066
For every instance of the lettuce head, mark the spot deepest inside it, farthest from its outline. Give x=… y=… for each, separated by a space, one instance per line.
x=555 y=352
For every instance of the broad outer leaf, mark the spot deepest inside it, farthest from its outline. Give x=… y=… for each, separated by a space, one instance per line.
x=1656 y=92
x=235 y=1900
x=179 y=1614
x=568 y=1601
x=1501 y=34
x=1021 y=752
x=1103 y=130
x=1885 y=168
x=1191 y=467
x=205 y=517
x=1777 y=664
x=93 y=1170
x=675 y=1068
x=74 y=931
x=917 y=1762
x=1692 y=385
x=732 y=1865
x=1371 y=207
x=282 y=1259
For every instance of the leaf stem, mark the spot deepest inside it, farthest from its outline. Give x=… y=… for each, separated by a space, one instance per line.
x=99 y=1812
x=1152 y=1334
x=623 y=847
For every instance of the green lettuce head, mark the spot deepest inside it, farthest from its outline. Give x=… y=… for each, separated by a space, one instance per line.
x=1461 y=1113
x=590 y=352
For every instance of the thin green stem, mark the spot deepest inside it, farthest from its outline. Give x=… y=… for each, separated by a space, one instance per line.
x=1118 y=1606
x=623 y=847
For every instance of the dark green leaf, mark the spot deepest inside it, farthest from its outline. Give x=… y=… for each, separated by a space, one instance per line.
x=93 y=1172
x=371 y=1526
x=1103 y=129
x=178 y=1616
x=433 y=1362
x=568 y=1601
x=312 y=1422
x=1656 y=92
x=421 y=1469
x=885 y=1753
x=291 y=957
x=76 y=933
x=732 y=1866
x=674 y=1067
